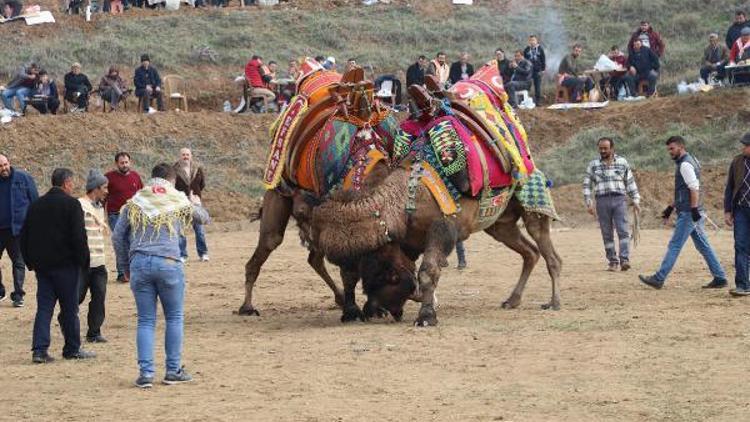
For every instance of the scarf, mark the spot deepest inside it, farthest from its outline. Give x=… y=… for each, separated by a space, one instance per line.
x=741 y=47
x=159 y=205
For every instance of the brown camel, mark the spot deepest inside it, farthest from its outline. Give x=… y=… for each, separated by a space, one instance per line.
x=352 y=225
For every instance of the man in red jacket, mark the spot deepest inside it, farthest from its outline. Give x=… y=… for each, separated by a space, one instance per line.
x=123 y=184
x=257 y=79
x=649 y=38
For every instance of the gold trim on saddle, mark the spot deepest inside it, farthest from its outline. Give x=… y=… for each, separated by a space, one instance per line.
x=288 y=122
x=429 y=177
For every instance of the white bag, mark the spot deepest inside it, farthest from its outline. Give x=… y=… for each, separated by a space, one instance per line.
x=605 y=64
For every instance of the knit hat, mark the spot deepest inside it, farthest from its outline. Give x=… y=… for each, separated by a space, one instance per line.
x=145 y=58
x=745 y=139
x=745 y=31
x=95 y=180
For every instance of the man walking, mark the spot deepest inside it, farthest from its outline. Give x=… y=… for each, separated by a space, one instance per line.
x=145 y=241
x=737 y=214
x=688 y=203
x=123 y=183
x=94 y=278
x=611 y=180
x=191 y=181
x=53 y=243
x=17 y=192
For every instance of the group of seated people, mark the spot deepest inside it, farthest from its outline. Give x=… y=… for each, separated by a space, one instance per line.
x=719 y=60
x=33 y=85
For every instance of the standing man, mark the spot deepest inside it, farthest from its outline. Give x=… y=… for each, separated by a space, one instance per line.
x=122 y=184
x=94 y=278
x=191 y=181
x=611 y=180
x=152 y=256
x=648 y=37
x=534 y=53
x=688 y=203
x=148 y=84
x=737 y=214
x=733 y=33
x=439 y=68
x=17 y=192
x=53 y=243
x=461 y=70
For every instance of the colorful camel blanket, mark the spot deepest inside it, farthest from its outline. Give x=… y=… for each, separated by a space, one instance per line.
x=281 y=135
x=536 y=197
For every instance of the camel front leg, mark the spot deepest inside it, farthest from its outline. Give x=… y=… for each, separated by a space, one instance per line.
x=350 y=277
x=440 y=241
x=316 y=260
x=508 y=233
x=274 y=217
x=538 y=227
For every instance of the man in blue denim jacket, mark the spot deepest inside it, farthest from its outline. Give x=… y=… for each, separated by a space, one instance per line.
x=688 y=203
x=146 y=239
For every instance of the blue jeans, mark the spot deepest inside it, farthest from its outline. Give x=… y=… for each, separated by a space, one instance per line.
x=684 y=228
x=153 y=277
x=741 y=247
x=113 y=217
x=200 y=241
x=20 y=92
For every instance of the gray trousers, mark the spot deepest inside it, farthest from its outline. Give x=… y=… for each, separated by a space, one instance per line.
x=613 y=215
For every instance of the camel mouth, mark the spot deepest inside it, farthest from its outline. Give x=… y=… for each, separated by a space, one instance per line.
x=388 y=278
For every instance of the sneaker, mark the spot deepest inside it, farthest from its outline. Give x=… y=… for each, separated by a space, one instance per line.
x=178 y=377
x=716 y=283
x=651 y=281
x=204 y=258
x=42 y=358
x=739 y=292
x=3 y=296
x=625 y=266
x=18 y=303
x=613 y=266
x=144 y=382
x=461 y=265
x=96 y=339
x=80 y=354
x=183 y=259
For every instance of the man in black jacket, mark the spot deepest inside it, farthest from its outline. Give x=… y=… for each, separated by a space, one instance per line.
x=54 y=245
x=521 y=79
x=148 y=84
x=643 y=64
x=461 y=70
x=503 y=65
x=740 y=22
x=534 y=53
x=77 y=88
x=415 y=72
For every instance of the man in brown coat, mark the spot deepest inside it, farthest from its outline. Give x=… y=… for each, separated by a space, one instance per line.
x=190 y=179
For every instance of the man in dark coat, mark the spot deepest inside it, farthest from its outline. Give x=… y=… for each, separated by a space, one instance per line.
x=461 y=70
x=503 y=65
x=191 y=180
x=54 y=245
x=148 y=84
x=77 y=88
x=534 y=53
x=737 y=215
x=17 y=192
x=733 y=33
x=648 y=37
x=415 y=72
x=643 y=65
x=521 y=79
x=45 y=97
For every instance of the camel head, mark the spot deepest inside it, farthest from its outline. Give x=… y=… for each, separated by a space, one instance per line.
x=388 y=279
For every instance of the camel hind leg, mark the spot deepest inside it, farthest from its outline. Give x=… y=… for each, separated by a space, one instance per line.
x=507 y=232
x=538 y=226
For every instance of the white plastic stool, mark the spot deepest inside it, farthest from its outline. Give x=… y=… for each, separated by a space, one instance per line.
x=521 y=96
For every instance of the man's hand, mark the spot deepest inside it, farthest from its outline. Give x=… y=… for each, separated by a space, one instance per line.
x=158 y=89
x=667 y=212
x=591 y=210
x=194 y=199
x=632 y=70
x=637 y=207
x=695 y=214
x=729 y=219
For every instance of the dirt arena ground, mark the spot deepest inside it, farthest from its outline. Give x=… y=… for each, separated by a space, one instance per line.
x=617 y=350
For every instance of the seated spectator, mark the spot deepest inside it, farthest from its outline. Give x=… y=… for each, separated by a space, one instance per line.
x=649 y=39
x=20 y=87
x=715 y=57
x=440 y=68
x=503 y=66
x=292 y=70
x=461 y=70
x=570 y=75
x=77 y=88
x=643 y=65
x=615 y=78
x=350 y=64
x=330 y=63
x=112 y=88
x=11 y=9
x=415 y=72
x=45 y=97
x=148 y=84
x=740 y=54
x=521 y=79
x=740 y=23
x=257 y=80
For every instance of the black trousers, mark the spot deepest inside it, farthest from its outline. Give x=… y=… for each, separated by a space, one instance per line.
x=46 y=105
x=146 y=99
x=536 y=77
x=95 y=281
x=60 y=284
x=12 y=244
x=80 y=96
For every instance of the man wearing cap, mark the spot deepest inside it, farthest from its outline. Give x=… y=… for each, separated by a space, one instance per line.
x=737 y=214
x=77 y=88
x=94 y=278
x=148 y=84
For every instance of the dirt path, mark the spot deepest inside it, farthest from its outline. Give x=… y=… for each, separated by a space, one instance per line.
x=617 y=351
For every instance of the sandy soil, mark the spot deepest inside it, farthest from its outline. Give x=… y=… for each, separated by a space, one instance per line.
x=617 y=350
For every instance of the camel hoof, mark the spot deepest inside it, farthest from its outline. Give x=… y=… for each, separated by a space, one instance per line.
x=511 y=303
x=371 y=310
x=339 y=301
x=426 y=318
x=552 y=306
x=248 y=311
x=352 y=314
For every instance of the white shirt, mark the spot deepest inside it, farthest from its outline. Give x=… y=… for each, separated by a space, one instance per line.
x=688 y=173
